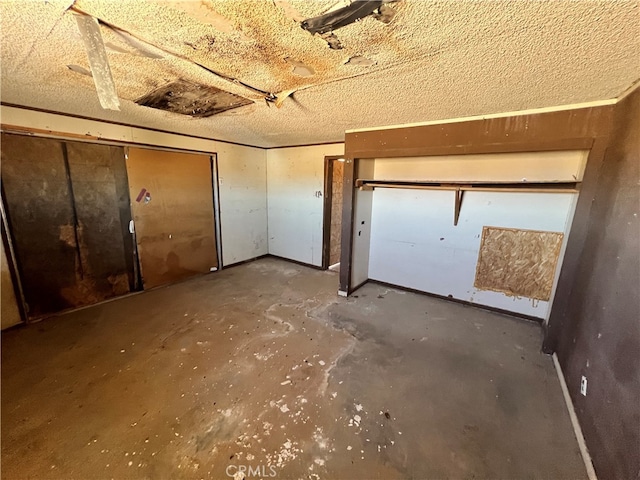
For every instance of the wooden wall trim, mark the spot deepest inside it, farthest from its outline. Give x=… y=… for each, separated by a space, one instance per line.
x=562 y=130
x=346 y=244
x=123 y=124
x=301 y=145
x=159 y=130
x=521 y=147
x=65 y=136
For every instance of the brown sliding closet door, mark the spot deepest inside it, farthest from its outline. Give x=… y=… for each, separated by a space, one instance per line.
x=172 y=203
x=99 y=181
x=67 y=207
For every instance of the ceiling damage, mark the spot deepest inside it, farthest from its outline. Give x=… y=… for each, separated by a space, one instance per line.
x=89 y=29
x=220 y=68
x=325 y=24
x=180 y=99
x=188 y=98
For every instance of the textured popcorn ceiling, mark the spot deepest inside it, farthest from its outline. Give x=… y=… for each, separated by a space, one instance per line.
x=435 y=60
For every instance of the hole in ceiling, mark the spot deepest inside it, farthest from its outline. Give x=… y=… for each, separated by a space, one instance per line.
x=188 y=98
x=299 y=68
x=360 y=61
x=80 y=70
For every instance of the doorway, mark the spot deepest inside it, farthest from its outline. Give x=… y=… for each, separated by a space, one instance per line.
x=333 y=188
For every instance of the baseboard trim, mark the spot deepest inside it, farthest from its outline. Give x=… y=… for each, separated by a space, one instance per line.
x=591 y=473
x=360 y=285
x=298 y=262
x=242 y=262
x=501 y=311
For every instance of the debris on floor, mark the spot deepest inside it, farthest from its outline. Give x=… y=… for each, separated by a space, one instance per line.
x=271 y=374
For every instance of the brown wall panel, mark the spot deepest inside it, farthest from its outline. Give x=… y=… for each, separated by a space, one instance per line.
x=124 y=207
x=595 y=320
x=172 y=203
x=563 y=130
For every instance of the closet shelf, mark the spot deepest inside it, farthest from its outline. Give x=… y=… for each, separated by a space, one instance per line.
x=460 y=187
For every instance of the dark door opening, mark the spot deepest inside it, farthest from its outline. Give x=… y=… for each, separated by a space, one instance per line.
x=333 y=187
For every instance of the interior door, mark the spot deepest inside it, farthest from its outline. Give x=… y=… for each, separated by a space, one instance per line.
x=101 y=197
x=64 y=208
x=172 y=204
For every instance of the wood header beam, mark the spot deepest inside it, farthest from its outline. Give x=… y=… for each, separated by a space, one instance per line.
x=562 y=130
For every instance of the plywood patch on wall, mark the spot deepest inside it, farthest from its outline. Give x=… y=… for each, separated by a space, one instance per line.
x=516 y=262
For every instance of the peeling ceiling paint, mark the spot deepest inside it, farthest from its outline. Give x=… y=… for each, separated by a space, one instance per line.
x=434 y=59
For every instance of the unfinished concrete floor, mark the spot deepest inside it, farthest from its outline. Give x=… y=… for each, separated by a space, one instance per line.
x=262 y=366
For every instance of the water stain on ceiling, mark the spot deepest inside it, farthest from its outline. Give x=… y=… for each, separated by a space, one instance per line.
x=245 y=41
x=330 y=64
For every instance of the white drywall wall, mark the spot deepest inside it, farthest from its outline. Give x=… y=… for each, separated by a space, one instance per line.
x=414 y=243
x=566 y=166
x=241 y=169
x=295 y=175
x=242 y=174
x=362 y=208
